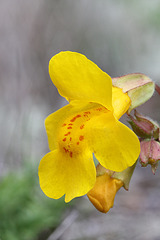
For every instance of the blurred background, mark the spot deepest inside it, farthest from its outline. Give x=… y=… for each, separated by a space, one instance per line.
x=121 y=37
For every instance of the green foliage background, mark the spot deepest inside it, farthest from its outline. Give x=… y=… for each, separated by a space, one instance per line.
x=25 y=212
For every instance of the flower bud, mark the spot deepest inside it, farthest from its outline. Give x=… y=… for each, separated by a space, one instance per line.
x=150 y=153
x=143 y=126
x=103 y=193
x=107 y=185
x=138 y=86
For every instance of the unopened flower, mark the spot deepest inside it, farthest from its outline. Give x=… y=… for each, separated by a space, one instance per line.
x=107 y=185
x=150 y=153
x=88 y=124
x=149 y=133
x=143 y=126
x=103 y=193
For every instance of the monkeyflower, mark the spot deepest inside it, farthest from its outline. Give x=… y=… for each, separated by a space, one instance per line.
x=87 y=125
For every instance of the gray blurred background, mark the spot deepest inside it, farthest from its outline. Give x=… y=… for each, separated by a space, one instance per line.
x=121 y=37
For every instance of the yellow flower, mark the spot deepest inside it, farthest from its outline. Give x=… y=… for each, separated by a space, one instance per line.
x=87 y=125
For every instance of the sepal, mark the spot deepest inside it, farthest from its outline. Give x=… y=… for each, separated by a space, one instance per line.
x=150 y=153
x=139 y=88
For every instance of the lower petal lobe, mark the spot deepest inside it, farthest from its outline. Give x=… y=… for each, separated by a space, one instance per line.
x=115 y=146
x=59 y=175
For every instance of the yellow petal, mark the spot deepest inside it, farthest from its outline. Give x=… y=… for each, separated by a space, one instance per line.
x=103 y=193
x=78 y=78
x=120 y=101
x=60 y=174
x=115 y=146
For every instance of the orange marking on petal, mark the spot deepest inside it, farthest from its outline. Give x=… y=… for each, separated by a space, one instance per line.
x=98 y=109
x=67 y=134
x=69 y=127
x=86 y=114
x=81 y=138
x=66 y=150
x=71 y=154
x=70 y=139
x=64 y=139
x=77 y=143
x=70 y=124
x=82 y=126
x=64 y=125
x=73 y=119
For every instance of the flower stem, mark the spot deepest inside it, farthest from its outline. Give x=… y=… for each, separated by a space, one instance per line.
x=158 y=89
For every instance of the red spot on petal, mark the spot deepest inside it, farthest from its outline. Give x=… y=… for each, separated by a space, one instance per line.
x=86 y=114
x=77 y=143
x=66 y=150
x=69 y=127
x=67 y=134
x=74 y=118
x=70 y=139
x=64 y=125
x=99 y=109
x=71 y=154
x=70 y=124
x=82 y=126
x=81 y=138
x=64 y=139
